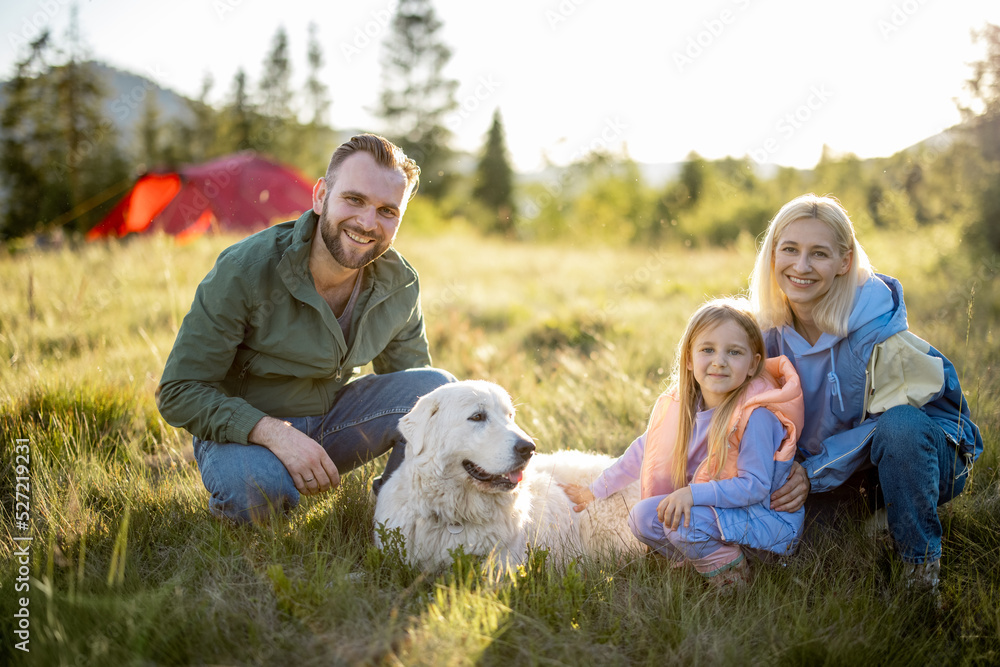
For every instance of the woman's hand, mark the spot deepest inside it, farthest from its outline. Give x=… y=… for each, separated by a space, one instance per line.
x=675 y=507
x=580 y=495
x=793 y=493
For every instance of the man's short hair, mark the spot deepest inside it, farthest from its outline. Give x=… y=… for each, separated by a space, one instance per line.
x=385 y=153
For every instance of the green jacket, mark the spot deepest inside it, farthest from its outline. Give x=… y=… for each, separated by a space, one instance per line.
x=260 y=340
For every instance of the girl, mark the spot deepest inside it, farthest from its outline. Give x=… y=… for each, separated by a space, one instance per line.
x=844 y=328
x=710 y=458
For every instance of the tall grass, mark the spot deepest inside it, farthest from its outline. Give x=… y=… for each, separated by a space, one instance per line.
x=127 y=566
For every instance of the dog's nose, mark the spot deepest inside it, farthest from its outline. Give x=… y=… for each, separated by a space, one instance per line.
x=524 y=449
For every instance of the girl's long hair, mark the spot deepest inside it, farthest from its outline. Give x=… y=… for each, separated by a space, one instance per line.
x=683 y=383
x=834 y=311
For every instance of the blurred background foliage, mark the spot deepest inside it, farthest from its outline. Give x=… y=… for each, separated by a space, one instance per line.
x=65 y=159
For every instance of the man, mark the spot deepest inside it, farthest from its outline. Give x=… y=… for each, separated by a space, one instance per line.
x=265 y=369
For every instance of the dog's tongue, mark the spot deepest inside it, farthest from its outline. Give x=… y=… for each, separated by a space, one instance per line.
x=515 y=477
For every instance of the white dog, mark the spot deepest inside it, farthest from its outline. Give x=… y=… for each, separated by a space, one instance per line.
x=471 y=478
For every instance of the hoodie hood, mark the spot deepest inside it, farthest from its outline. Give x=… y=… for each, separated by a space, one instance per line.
x=878 y=311
x=832 y=369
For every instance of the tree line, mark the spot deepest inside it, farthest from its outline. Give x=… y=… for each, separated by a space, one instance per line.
x=63 y=159
x=63 y=163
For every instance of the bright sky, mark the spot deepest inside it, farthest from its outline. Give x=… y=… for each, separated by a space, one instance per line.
x=774 y=79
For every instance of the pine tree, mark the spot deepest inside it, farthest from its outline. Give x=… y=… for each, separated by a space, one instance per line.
x=150 y=131
x=275 y=94
x=92 y=166
x=60 y=162
x=23 y=166
x=318 y=100
x=494 y=180
x=275 y=84
x=203 y=139
x=239 y=118
x=77 y=89
x=315 y=137
x=416 y=96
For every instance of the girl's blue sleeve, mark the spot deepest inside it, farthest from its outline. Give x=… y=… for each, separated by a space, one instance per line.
x=755 y=465
x=622 y=472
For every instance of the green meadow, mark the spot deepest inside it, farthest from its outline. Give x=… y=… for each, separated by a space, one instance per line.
x=126 y=567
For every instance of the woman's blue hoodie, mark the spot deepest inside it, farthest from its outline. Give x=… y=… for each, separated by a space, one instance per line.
x=836 y=437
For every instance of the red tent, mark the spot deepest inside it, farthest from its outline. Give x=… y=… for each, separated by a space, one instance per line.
x=241 y=192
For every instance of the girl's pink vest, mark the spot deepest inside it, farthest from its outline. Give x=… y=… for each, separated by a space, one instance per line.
x=777 y=389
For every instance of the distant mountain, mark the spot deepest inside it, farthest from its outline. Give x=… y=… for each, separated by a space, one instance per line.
x=127 y=95
x=653 y=174
x=940 y=141
x=659 y=174
x=126 y=99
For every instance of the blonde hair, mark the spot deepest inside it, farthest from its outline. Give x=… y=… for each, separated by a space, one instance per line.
x=683 y=383
x=834 y=310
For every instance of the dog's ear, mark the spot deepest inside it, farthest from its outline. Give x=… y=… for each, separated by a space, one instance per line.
x=413 y=424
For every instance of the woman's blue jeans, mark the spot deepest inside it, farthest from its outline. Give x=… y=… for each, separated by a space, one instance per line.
x=918 y=470
x=248 y=482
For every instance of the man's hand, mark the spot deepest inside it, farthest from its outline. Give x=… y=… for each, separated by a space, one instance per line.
x=792 y=495
x=311 y=468
x=674 y=507
x=580 y=495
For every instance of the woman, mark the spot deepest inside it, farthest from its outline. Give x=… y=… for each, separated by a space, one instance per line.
x=820 y=303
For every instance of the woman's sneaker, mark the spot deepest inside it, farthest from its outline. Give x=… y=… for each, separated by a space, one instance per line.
x=925 y=578
x=926 y=575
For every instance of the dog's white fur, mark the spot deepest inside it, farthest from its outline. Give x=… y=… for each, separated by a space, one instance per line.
x=436 y=502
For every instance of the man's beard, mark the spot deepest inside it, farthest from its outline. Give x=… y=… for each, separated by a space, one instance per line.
x=332 y=238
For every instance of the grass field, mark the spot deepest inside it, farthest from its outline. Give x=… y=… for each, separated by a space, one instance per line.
x=126 y=566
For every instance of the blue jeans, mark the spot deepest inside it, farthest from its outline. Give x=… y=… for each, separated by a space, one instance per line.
x=247 y=482
x=918 y=470
x=698 y=540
